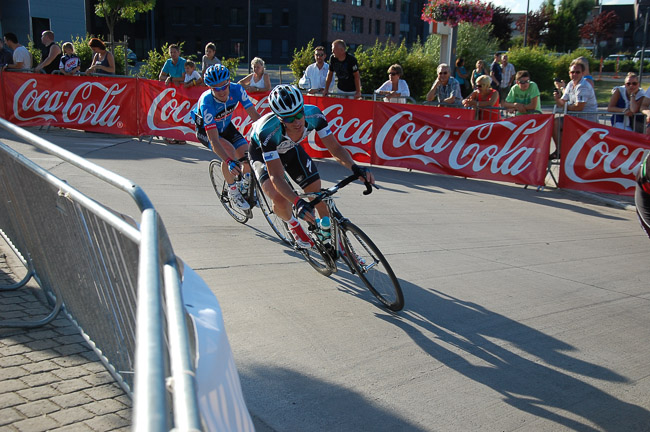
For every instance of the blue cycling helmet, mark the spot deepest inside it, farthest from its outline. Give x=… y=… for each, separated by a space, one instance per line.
x=216 y=74
x=285 y=100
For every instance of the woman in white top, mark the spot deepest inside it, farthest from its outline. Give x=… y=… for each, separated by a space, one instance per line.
x=259 y=80
x=395 y=89
x=626 y=99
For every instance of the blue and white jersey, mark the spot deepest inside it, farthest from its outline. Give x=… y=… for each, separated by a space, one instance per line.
x=269 y=137
x=217 y=114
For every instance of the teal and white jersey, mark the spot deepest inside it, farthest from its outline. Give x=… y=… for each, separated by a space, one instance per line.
x=268 y=133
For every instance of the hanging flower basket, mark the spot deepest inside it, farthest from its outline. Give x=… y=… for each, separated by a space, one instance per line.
x=453 y=13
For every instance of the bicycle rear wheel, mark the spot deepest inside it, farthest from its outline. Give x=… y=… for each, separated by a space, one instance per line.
x=221 y=188
x=278 y=225
x=372 y=267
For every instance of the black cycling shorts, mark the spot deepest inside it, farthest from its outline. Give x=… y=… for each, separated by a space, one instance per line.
x=230 y=133
x=297 y=163
x=642 y=202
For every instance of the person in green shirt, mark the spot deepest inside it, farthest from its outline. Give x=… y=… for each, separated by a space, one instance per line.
x=523 y=97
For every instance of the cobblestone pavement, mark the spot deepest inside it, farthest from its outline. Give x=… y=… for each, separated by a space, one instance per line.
x=49 y=378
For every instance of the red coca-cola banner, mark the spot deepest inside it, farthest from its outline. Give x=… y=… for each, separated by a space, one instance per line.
x=95 y=104
x=513 y=150
x=165 y=110
x=599 y=158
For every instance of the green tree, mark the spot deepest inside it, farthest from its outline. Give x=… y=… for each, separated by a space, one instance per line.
x=301 y=59
x=501 y=26
x=537 y=25
x=475 y=43
x=537 y=62
x=114 y=10
x=563 y=31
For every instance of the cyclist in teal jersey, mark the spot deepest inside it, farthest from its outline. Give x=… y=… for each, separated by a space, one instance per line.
x=275 y=148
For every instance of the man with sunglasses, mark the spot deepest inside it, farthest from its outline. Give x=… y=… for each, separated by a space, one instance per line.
x=578 y=96
x=315 y=75
x=214 y=129
x=445 y=88
x=523 y=97
x=275 y=148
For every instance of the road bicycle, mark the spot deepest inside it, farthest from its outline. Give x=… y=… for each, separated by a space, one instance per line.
x=253 y=196
x=348 y=242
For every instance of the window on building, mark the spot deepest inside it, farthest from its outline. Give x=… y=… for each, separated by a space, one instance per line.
x=338 y=1
x=357 y=25
x=285 y=18
x=369 y=25
x=177 y=15
x=285 y=49
x=338 y=22
x=390 y=28
x=390 y=5
x=237 y=48
x=217 y=16
x=378 y=3
x=377 y=27
x=265 y=17
x=264 y=48
x=357 y=2
x=237 y=17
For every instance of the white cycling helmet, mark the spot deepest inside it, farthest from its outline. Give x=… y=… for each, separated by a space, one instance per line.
x=285 y=100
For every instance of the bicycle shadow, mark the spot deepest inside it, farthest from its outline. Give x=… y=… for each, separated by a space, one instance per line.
x=530 y=369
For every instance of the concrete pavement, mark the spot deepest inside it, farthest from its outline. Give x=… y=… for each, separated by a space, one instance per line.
x=525 y=310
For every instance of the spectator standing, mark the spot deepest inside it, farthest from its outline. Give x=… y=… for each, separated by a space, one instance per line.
x=395 y=89
x=21 y=57
x=445 y=88
x=484 y=96
x=192 y=76
x=51 y=53
x=461 y=75
x=315 y=76
x=495 y=71
x=6 y=57
x=524 y=97
x=210 y=58
x=259 y=80
x=578 y=96
x=507 y=77
x=70 y=64
x=346 y=68
x=480 y=70
x=626 y=99
x=173 y=71
x=103 y=62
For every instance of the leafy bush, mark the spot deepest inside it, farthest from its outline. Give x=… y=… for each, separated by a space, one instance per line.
x=301 y=59
x=35 y=52
x=562 y=64
x=232 y=64
x=538 y=62
x=476 y=43
x=155 y=61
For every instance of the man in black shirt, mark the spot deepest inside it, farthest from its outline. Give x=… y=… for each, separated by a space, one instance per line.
x=346 y=68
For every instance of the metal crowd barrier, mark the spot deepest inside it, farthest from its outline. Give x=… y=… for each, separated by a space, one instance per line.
x=106 y=273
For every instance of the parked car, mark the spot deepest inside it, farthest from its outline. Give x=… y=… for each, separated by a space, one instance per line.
x=637 y=56
x=619 y=57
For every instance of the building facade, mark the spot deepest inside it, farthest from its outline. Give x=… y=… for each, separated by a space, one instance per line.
x=275 y=28
x=28 y=19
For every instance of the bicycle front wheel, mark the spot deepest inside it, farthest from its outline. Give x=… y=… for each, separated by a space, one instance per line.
x=372 y=267
x=278 y=225
x=221 y=188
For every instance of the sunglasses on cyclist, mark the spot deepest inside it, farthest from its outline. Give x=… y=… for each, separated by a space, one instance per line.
x=293 y=118
x=222 y=88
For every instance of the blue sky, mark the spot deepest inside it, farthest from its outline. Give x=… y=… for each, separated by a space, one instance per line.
x=519 y=6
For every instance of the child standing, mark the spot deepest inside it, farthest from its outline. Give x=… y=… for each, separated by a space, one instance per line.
x=70 y=63
x=209 y=58
x=192 y=77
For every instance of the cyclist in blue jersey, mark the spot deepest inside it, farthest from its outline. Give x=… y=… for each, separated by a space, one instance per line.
x=214 y=129
x=275 y=147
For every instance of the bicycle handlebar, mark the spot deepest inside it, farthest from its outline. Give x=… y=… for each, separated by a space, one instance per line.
x=331 y=191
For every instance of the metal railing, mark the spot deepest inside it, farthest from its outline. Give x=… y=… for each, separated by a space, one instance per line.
x=107 y=274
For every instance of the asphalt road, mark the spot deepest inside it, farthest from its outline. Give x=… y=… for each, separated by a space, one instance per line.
x=525 y=310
